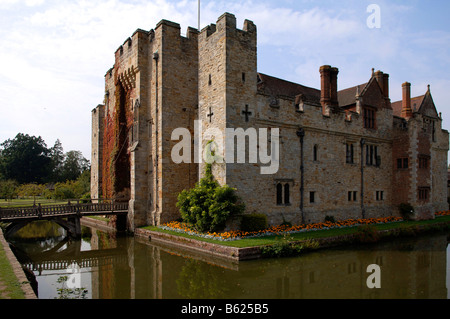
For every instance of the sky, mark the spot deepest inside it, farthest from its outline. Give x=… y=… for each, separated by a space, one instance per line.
x=54 y=53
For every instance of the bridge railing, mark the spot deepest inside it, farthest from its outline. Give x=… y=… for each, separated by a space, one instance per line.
x=41 y=211
x=103 y=207
x=18 y=212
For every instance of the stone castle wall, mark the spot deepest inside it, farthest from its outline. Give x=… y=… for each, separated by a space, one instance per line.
x=167 y=81
x=98 y=115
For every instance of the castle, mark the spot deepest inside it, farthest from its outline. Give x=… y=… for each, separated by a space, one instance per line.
x=348 y=154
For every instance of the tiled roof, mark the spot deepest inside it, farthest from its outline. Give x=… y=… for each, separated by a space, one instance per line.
x=276 y=87
x=416 y=102
x=348 y=96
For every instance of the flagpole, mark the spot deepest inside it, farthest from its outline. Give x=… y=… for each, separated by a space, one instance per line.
x=198 y=15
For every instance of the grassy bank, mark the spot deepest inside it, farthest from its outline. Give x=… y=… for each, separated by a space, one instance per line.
x=10 y=288
x=397 y=228
x=25 y=202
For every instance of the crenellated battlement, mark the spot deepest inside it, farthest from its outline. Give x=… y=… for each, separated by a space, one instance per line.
x=226 y=23
x=175 y=29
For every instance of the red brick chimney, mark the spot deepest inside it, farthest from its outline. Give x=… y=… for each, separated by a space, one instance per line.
x=386 y=85
x=328 y=88
x=383 y=82
x=379 y=77
x=325 y=83
x=406 y=100
x=334 y=87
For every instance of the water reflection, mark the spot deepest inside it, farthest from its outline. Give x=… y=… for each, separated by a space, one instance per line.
x=125 y=267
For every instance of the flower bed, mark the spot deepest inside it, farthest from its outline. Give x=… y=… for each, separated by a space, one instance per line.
x=443 y=213
x=283 y=229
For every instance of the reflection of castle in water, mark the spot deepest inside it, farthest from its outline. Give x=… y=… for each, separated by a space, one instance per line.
x=134 y=268
x=414 y=268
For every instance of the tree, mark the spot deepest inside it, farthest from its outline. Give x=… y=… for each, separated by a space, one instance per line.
x=25 y=159
x=74 y=189
x=31 y=189
x=8 y=189
x=57 y=155
x=74 y=165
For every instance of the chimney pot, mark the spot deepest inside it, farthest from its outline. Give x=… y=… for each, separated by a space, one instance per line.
x=328 y=77
x=379 y=77
x=406 y=100
x=334 y=87
x=386 y=85
x=325 y=84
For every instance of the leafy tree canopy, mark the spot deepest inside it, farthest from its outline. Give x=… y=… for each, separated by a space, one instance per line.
x=27 y=159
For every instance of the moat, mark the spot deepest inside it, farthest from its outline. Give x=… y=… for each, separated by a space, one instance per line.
x=125 y=267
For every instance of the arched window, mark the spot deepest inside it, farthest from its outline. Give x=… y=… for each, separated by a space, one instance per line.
x=279 y=194
x=286 y=194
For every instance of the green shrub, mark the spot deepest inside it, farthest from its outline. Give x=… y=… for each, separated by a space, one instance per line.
x=279 y=249
x=286 y=223
x=254 y=222
x=330 y=219
x=285 y=247
x=63 y=191
x=367 y=234
x=408 y=230
x=406 y=211
x=207 y=206
x=86 y=198
x=8 y=189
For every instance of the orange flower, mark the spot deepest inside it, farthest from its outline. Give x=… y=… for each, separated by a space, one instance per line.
x=279 y=229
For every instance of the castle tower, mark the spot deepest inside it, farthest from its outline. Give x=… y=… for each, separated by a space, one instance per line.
x=227 y=84
x=150 y=91
x=174 y=99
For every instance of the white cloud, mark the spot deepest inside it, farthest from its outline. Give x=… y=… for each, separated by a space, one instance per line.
x=54 y=54
x=33 y=3
x=5 y=4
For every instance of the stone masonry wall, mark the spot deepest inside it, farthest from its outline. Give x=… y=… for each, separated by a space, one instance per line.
x=139 y=203
x=179 y=100
x=98 y=115
x=328 y=179
x=212 y=89
x=166 y=81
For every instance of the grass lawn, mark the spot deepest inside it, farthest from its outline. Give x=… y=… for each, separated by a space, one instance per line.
x=9 y=286
x=269 y=240
x=24 y=202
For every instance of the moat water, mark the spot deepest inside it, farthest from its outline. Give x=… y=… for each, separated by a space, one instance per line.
x=107 y=266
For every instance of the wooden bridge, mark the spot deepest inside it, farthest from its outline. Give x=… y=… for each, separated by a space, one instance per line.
x=67 y=215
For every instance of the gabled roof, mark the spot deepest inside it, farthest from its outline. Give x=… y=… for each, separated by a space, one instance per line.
x=347 y=97
x=423 y=104
x=427 y=106
x=371 y=92
x=276 y=87
x=416 y=102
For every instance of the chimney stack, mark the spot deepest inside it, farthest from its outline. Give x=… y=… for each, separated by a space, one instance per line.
x=383 y=82
x=328 y=88
x=406 y=100
x=334 y=87
x=379 y=77
x=386 y=85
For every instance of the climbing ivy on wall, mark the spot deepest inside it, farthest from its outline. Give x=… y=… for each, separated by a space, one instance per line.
x=116 y=157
